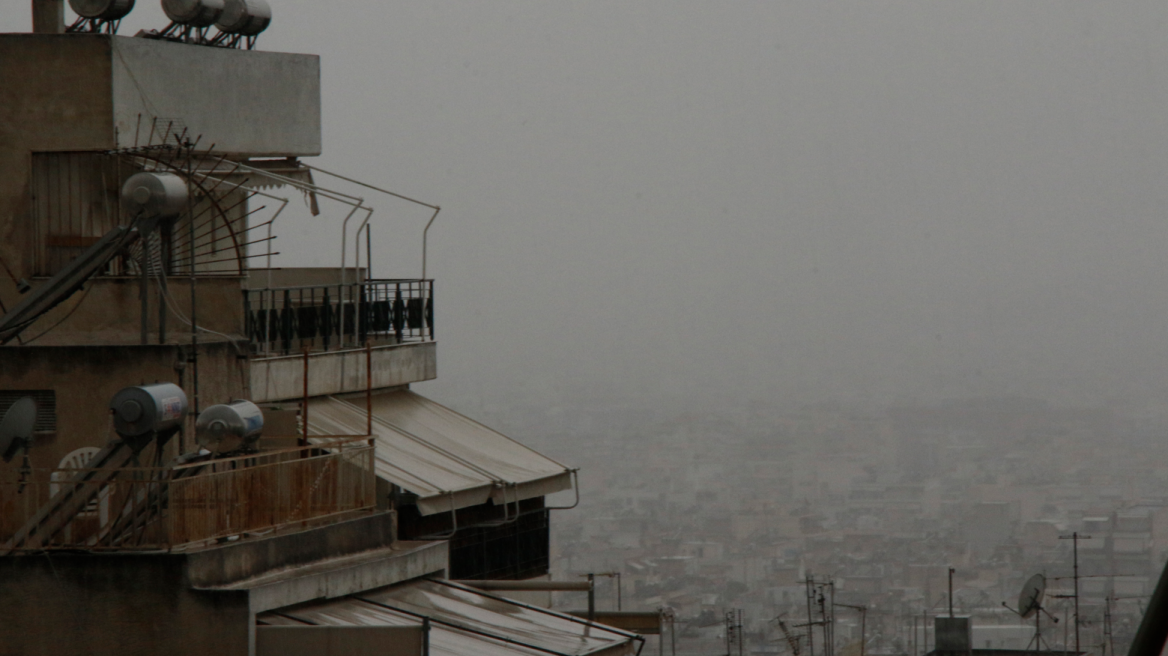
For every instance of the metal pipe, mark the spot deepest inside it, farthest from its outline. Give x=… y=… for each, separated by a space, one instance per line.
x=368 y=387
x=344 y=238
x=143 y=288
x=951 y=570
x=673 y=634
x=425 y=232
x=270 y=222
x=369 y=186
x=591 y=597
x=661 y=631
x=304 y=411
x=357 y=245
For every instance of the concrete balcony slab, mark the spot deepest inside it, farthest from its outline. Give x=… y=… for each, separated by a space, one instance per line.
x=281 y=378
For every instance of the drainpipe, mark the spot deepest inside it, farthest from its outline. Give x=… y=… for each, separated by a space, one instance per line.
x=48 y=16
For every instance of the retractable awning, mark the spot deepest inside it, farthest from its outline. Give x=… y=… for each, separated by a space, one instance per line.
x=448 y=460
x=463 y=621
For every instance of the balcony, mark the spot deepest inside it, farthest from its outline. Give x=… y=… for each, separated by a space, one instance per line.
x=150 y=508
x=316 y=340
x=285 y=320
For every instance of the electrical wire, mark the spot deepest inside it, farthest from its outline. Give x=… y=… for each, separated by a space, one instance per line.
x=180 y=316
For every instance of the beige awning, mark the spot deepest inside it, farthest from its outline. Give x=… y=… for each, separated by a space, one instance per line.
x=448 y=460
x=463 y=621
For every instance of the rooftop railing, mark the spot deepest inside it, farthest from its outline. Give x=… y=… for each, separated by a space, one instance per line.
x=324 y=317
x=151 y=508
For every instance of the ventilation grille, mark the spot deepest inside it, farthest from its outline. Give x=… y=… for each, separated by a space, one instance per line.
x=46 y=401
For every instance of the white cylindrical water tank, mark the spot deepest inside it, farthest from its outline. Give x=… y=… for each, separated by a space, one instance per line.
x=245 y=17
x=101 y=9
x=155 y=195
x=229 y=427
x=196 y=13
x=145 y=410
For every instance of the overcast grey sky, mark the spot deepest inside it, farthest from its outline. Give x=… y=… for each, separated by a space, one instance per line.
x=685 y=202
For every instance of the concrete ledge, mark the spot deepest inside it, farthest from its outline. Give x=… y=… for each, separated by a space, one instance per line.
x=247 y=559
x=337 y=577
x=337 y=372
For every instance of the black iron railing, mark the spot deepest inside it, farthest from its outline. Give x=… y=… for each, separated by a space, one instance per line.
x=324 y=317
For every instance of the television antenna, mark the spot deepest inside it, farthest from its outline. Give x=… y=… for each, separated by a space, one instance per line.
x=1030 y=603
x=791 y=638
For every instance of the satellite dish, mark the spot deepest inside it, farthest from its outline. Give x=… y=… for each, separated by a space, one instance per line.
x=1030 y=599
x=16 y=427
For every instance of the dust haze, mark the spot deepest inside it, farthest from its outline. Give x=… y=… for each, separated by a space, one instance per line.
x=778 y=275
x=691 y=204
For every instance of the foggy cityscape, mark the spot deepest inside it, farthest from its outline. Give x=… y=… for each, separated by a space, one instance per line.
x=844 y=312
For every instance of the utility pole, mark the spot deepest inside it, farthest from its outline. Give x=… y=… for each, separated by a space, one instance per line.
x=1074 y=538
x=733 y=631
x=831 y=613
x=925 y=630
x=913 y=642
x=951 y=570
x=810 y=620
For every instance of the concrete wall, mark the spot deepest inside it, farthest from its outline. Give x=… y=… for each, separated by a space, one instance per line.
x=224 y=565
x=115 y=604
x=109 y=311
x=54 y=96
x=88 y=92
x=276 y=278
x=337 y=372
x=246 y=102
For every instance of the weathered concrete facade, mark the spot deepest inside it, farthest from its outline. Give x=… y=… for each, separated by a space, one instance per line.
x=93 y=92
x=115 y=604
x=108 y=312
x=203 y=601
x=337 y=372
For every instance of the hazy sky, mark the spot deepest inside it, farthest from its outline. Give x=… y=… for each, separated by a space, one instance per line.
x=691 y=201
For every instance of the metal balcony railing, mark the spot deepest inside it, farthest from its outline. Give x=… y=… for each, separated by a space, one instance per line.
x=290 y=319
x=165 y=507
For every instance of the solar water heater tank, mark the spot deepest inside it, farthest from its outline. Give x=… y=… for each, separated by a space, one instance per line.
x=101 y=9
x=229 y=427
x=148 y=410
x=245 y=17
x=155 y=195
x=195 y=13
